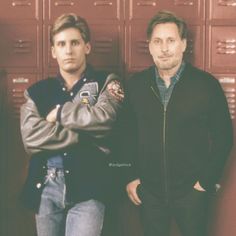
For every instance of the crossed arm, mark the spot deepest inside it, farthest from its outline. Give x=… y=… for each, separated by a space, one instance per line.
x=39 y=134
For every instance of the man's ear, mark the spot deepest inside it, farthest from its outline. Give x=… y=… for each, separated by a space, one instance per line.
x=53 y=52
x=184 y=42
x=87 y=48
x=150 y=48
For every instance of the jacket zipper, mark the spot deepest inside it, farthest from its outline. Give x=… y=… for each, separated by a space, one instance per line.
x=164 y=145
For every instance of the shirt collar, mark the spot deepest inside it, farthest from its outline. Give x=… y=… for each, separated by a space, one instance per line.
x=85 y=76
x=175 y=78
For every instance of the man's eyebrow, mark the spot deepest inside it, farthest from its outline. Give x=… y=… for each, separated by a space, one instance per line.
x=75 y=39
x=59 y=41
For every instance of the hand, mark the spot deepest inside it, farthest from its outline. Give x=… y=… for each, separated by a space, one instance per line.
x=115 y=89
x=52 y=115
x=131 y=189
x=198 y=187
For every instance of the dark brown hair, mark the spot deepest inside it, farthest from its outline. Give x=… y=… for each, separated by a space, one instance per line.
x=70 y=20
x=167 y=17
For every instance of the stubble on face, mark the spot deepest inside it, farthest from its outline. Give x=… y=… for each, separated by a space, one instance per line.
x=167 y=62
x=167 y=47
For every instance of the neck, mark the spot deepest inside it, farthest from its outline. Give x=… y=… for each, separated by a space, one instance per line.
x=71 y=77
x=166 y=75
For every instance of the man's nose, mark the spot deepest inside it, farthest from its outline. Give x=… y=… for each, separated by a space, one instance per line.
x=68 y=49
x=164 y=47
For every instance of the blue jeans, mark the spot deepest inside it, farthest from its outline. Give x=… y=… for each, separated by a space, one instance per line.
x=57 y=217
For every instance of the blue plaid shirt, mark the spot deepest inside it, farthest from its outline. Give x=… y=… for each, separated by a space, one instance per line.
x=164 y=91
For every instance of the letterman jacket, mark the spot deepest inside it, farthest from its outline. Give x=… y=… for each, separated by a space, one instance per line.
x=82 y=136
x=188 y=142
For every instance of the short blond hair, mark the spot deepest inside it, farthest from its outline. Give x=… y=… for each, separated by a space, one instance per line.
x=70 y=20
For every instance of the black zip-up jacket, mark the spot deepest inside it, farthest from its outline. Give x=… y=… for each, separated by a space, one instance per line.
x=188 y=142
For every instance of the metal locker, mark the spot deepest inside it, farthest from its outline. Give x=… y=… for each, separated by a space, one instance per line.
x=20 y=45
x=195 y=45
x=19 y=10
x=228 y=83
x=106 y=45
x=17 y=84
x=90 y=9
x=222 y=9
x=188 y=9
x=221 y=49
x=138 y=56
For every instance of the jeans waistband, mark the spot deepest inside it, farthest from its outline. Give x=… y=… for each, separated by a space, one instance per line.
x=55 y=171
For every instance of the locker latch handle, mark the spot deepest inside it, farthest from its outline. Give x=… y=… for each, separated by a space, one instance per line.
x=103 y=3
x=64 y=3
x=20 y=80
x=21 y=3
x=184 y=2
x=146 y=3
x=231 y=3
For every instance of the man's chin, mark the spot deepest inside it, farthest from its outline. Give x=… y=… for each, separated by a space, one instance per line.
x=71 y=70
x=166 y=66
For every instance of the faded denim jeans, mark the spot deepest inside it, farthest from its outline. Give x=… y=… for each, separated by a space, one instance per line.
x=57 y=217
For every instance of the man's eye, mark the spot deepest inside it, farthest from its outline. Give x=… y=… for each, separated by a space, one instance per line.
x=61 y=44
x=156 y=41
x=171 y=40
x=74 y=43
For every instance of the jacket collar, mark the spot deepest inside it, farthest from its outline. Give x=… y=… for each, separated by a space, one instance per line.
x=89 y=75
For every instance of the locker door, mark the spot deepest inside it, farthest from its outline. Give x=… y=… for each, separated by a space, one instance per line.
x=138 y=56
x=106 y=45
x=188 y=9
x=222 y=9
x=137 y=14
x=20 y=46
x=221 y=54
x=221 y=37
x=17 y=84
x=196 y=45
x=18 y=9
x=228 y=83
x=89 y=9
x=191 y=10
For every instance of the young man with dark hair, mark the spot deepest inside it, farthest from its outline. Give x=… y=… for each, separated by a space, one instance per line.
x=66 y=125
x=182 y=134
